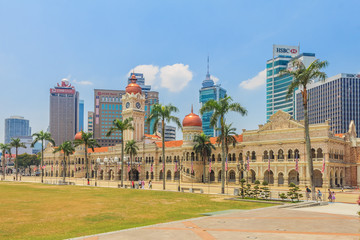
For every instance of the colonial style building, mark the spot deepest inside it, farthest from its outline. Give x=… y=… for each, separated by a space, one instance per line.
x=279 y=145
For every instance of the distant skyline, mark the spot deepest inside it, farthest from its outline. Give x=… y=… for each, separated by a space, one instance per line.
x=95 y=44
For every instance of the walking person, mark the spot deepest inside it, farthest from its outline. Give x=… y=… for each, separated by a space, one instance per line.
x=333 y=196
x=150 y=184
x=142 y=184
x=330 y=196
x=308 y=191
x=319 y=195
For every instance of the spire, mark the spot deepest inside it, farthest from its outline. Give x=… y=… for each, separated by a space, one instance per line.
x=192 y=109
x=208 y=72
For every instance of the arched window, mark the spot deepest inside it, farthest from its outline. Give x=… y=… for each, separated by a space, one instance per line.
x=271 y=154
x=219 y=158
x=280 y=154
x=290 y=154
x=313 y=155
x=240 y=156
x=266 y=156
x=229 y=157
x=234 y=157
x=192 y=156
x=319 y=153
x=296 y=154
x=253 y=155
x=160 y=159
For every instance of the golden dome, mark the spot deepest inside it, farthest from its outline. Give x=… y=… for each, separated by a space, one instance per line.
x=78 y=136
x=192 y=120
x=133 y=87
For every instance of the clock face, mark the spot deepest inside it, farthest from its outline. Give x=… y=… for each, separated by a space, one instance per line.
x=127 y=105
x=138 y=105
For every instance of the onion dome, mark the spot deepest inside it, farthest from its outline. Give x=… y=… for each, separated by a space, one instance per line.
x=78 y=136
x=133 y=87
x=192 y=120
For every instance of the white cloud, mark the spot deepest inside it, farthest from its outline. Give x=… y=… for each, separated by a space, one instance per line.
x=175 y=77
x=150 y=73
x=82 y=82
x=215 y=79
x=255 y=82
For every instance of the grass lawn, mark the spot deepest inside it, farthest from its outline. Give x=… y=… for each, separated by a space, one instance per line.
x=36 y=211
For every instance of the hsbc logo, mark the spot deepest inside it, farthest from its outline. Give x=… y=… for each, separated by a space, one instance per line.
x=286 y=50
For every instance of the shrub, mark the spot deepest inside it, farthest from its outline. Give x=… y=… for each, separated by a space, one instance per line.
x=294 y=192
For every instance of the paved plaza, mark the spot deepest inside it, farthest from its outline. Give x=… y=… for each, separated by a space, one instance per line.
x=323 y=222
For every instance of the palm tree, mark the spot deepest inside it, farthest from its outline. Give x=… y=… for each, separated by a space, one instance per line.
x=4 y=148
x=121 y=126
x=67 y=148
x=302 y=76
x=88 y=142
x=42 y=137
x=221 y=108
x=131 y=148
x=229 y=136
x=203 y=147
x=16 y=143
x=163 y=113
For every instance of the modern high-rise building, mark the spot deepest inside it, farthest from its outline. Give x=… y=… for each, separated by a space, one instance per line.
x=210 y=90
x=90 y=121
x=337 y=100
x=64 y=112
x=16 y=127
x=170 y=132
x=81 y=114
x=108 y=107
x=276 y=85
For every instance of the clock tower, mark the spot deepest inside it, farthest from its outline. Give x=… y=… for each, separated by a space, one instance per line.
x=133 y=105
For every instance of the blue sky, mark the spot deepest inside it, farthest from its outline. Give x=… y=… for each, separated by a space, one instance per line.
x=96 y=43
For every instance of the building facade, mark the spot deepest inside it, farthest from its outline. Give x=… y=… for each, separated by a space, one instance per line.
x=280 y=141
x=90 y=122
x=15 y=127
x=277 y=85
x=208 y=91
x=109 y=106
x=81 y=115
x=64 y=112
x=337 y=99
x=170 y=132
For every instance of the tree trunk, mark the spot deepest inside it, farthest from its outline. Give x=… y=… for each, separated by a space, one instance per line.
x=310 y=168
x=223 y=156
x=64 y=172
x=87 y=164
x=42 y=161
x=163 y=150
x=16 y=163
x=131 y=168
x=122 y=158
x=204 y=172
x=3 y=164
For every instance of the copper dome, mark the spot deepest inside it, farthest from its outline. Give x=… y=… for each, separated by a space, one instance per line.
x=192 y=120
x=78 y=136
x=133 y=87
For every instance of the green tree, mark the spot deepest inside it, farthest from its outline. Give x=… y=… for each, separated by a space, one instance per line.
x=229 y=135
x=131 y=148
x=294 y=192
x=203 y=146
x=25 y=160
x=163 y=113
x=121 y=126
x=67 y=148
x=42 y=137
x=4 y=148
x=302 y=76
x=220 y=109
x=88 y=142
x=16 y=143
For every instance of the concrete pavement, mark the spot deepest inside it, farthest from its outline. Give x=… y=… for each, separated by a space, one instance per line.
x=325 y=222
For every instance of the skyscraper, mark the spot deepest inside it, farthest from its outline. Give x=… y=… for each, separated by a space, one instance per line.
x=16 y=127
x=170 y=132
x=108 y=107
x=276 y=85
x=337 y=99
x=90 y=122
x=64 y=112
x=209 y=91
x=81 y=115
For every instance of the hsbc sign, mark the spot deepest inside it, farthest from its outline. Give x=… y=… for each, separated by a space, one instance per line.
x=285 y=50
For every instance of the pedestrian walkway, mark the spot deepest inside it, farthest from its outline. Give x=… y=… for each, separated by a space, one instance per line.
x=328 y=222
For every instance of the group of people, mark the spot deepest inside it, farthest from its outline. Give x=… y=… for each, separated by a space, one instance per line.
x=141 y=184
x=331 y=196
